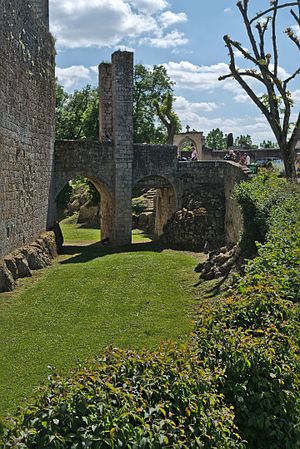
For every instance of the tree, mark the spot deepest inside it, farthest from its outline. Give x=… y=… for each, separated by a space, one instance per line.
x=276 y=103
x=151 y=86
x=229 y=140
x=168 y=117
x=77 y=113
x=216 y=140
x=244 y=141
x=267 y=144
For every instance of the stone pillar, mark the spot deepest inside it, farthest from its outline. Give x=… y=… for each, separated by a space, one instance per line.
x=105 y=102
x=42 y=9
x=122 y=102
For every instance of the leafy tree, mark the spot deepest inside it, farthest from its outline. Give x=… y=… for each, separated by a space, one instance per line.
x=276 y=103
x=244 y=141
x=216 y=140
x=168 y=117
x=151 y=86
x=268 y=144
x=77 y=113
x=229 y=140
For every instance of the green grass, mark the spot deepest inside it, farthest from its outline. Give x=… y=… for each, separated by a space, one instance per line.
x=76 y=233
x=94 y=296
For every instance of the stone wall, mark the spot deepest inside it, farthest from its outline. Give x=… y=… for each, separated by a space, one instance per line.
x=27 y=102
x=210 y=185
x=42 y=9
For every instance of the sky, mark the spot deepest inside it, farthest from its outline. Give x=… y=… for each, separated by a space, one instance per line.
x=186 y=36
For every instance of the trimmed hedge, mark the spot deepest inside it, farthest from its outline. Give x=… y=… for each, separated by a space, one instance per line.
x=235 y=385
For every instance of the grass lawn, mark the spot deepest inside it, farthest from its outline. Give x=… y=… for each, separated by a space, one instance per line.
x=91 y=297
x=78 y=234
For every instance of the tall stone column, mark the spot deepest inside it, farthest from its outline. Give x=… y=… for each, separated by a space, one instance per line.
x=105 y=102
x=122 y=112
x=42 y=9
x=116 y=129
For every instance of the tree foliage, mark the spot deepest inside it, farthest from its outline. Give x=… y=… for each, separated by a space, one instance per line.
x=168 y=117
x=152 y=87
x=216 y=139
x=268 y=144
x=276 y=102
x=244 y=141
x=77 y=113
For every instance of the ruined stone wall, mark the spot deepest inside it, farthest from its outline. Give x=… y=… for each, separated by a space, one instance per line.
x=26 y=124
x=154 y=160
x=211 y=185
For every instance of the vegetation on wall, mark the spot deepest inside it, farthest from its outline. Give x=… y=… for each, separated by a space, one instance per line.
x=236 y=384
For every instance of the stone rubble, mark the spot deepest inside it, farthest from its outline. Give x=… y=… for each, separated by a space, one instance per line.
x=219 y=263
x=21 y=262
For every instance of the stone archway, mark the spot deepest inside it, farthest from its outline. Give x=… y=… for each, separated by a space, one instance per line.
x=105 y=205
x=165 y=200
x=195 y=137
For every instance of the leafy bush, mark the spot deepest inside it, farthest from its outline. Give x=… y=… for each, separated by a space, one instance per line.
x=256 y=199
x=129 y=400
x=253 y=336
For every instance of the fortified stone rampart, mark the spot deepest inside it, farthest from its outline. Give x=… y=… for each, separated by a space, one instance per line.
x=27 y=102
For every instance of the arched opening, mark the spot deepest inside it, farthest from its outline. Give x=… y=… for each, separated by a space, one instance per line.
x=153 y=202
x=84 y=210
x=185 y=148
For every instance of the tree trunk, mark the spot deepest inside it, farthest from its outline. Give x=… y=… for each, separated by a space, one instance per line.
x=289 y=161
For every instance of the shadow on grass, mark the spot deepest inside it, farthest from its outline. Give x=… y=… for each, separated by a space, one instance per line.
x=89 y=252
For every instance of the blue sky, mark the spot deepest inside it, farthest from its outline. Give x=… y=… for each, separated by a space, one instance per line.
x=185 y=36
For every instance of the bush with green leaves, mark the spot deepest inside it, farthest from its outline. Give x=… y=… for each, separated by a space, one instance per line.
x=253 y=335
x=129 y=400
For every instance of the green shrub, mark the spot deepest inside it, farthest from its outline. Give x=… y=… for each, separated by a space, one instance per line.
x=256 y=199
x=253 y=336
x=129 y=400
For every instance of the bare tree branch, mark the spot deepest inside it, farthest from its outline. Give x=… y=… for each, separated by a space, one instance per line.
x=274 y=38
x=285 y=82
x=289 y=32
x=261 y=14
x=295 y=16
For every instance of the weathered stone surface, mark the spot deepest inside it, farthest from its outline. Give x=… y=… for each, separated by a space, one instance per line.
x=27 y=113
x=89 y=215
x=11 y=266
x=31 y=257
x=22 y=265
x=219 y=263
x=7 y=282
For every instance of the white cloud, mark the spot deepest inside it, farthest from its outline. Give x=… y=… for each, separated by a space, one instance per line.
x=181 y=104
x=169 y=18
x=239 y=54
x=170 y=40
x=296 y=30
x=296 y=96
x=191 y=76
x=228 y=10
x=149 y=6
x=70 y=76
x=107 y=23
